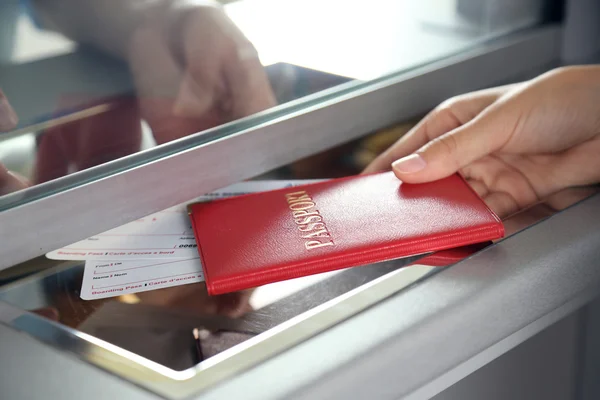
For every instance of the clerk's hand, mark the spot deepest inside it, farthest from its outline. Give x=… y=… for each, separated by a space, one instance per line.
x=515 y=145
x=9 y=181
x=196 y=72
x=8 y=117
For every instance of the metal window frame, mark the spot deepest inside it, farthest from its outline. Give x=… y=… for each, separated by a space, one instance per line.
x=196 y=165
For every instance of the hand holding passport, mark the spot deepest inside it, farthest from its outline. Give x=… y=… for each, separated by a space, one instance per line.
x=260 y=238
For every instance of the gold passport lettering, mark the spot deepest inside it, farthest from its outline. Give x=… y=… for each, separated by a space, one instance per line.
x=303 y=213
x=308 y=220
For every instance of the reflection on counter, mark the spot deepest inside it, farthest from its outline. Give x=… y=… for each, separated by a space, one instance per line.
x=159 y=325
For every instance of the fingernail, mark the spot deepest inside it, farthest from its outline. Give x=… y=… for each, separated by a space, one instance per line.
x=8 y=117
x=409 y=164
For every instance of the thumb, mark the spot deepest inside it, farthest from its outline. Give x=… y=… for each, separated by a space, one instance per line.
x=448 y=153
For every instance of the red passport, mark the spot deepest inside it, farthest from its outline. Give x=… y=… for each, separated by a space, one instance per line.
x=444 y=258
x=260 y=238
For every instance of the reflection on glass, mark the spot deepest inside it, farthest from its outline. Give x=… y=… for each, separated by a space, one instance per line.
x=95 y=80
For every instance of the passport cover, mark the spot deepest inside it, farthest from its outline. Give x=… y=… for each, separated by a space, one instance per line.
x=260 y=238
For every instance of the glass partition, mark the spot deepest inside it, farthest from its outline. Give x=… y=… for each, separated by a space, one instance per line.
x=93 y=81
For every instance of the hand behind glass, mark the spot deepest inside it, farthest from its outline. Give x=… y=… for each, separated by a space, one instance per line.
x=196 y=72
x=515 y=145
x=9 y=181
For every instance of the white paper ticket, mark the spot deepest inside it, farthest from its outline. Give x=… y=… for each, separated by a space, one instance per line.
x=165 y=234
x=103 y=279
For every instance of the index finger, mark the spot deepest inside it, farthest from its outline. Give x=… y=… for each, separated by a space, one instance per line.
x=247 y=82
x=402 y=147
x=446 y=117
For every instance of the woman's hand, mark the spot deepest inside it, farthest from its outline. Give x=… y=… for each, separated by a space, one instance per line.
x=515 y=145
